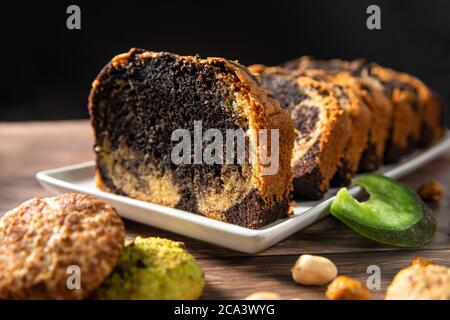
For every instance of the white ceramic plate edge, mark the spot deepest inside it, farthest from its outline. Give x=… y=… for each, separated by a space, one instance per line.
x=217 y=232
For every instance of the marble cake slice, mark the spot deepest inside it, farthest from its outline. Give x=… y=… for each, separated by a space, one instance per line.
x=351 y=99
x=418 y=116
x=322 y=125
x=405 y=130
x=430 y=109
x=140 y=98
x=371 y=91
x=406 y=113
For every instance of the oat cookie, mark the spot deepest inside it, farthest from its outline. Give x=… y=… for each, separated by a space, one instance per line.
x=420 y=281
x=41 y=238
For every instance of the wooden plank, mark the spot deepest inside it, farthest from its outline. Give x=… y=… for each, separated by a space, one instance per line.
x=239 y=277
x=26 y=148
x=29 y=147
x=326 y=236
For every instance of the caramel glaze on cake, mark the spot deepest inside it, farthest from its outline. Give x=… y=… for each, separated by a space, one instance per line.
x=322 y=125
x=141 y=97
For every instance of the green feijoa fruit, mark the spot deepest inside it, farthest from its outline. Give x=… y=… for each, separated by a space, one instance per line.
x=392 y=215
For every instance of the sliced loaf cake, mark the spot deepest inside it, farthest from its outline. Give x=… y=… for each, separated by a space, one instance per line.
x=322 y=124
x=141 y=98
x=371 y=91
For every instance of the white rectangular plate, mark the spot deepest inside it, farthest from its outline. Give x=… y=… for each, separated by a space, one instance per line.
x=80 y=178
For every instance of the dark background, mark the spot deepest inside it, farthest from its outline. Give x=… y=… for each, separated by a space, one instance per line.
x=47 y=69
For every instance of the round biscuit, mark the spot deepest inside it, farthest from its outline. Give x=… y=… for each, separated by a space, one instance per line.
x=46 y=243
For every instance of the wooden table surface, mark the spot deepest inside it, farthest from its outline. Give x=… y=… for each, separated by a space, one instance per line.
x=26 y=148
